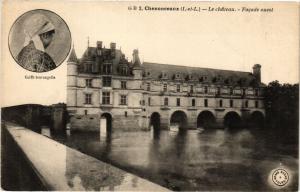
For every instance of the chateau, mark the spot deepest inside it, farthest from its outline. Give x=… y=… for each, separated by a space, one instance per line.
x=131 y=95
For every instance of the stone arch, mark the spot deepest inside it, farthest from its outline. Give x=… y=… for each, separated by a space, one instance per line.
x=155 y=121
x=106 y=120
x=257 y=119
x=206 y=119
x=232 y=120
x=179 y=118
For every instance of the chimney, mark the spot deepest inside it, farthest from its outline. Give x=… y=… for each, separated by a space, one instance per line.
x=256 y=72
x=99 y=47
x=135 y=58
x=99 y=44
x=113 y=46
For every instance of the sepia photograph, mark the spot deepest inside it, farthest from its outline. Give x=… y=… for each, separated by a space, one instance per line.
x=32 y=34
x=149 y=96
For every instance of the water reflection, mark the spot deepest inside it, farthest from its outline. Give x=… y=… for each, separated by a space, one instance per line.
x=187 y=160
x=94 y=177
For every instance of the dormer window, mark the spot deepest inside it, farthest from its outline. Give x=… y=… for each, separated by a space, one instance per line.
x=107 y=68
x=88 y=67
x=217 y=78
x=189 y=77
x=99 y=51
x=177 y=76
x=256 y=92
x=124 y=70
x=164 y=75
x=218 y=90
x=203 y=78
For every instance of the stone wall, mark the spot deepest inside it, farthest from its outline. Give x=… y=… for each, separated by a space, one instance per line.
x=90 y=122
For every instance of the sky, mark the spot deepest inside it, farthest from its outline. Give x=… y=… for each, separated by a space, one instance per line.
x=221 y=40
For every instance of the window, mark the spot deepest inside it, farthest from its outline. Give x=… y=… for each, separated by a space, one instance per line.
x=231 y=91
x=148 y=86
x=231 y=103
x=89 y=67
x=149 y=101
x=178 y=88
x=193 y=102
x=123 y=100
x=166 y=101
x=256 y=92
x=124 y=71
x=125 y=114
x=191 y=88
x=178 y=101
x=85 y=112
x=88 y=82
x=106 y=81
x=246 y=104
x=218 y=90
x=205 y=103
x=88 y=98
x=243 y=92
x=107 y=68
x=165 y=87
x=106 y=98
x=221 y=103
x=205 y=89
x=256 y=104
x=123 y=85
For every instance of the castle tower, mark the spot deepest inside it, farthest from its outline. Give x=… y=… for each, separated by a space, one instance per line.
x=137 y=67
x=72 y=72
x=256 y=72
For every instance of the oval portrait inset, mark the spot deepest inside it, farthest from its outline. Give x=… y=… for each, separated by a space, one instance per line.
x=39 y=40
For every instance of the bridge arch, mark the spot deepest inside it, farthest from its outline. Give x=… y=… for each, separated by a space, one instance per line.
x=206 y=119
x=106 y=123
x=257 y=119
x=179 y=118
x=155 y=121
x=232 y=120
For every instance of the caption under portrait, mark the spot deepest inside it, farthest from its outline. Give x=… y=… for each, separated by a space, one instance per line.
x=49 y=77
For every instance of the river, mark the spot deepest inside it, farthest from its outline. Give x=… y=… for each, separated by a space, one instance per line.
x=212 y=160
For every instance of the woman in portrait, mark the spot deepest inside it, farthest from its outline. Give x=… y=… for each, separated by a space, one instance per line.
x=39 y=33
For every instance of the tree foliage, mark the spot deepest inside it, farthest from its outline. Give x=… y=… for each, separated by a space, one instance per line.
x=282 y=107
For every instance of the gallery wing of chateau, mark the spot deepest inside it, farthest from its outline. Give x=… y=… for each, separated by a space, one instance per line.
x=103 y=83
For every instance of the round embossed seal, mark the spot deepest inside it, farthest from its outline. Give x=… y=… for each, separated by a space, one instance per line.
x=280 y=177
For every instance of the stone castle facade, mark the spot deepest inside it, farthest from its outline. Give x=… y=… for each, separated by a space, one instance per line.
x=131 y=95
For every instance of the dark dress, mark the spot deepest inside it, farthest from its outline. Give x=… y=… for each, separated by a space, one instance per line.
x=35 y=60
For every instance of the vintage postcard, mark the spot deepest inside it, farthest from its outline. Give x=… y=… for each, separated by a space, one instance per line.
x=149 y=96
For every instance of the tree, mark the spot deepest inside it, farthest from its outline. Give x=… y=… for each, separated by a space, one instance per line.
x=282 y=110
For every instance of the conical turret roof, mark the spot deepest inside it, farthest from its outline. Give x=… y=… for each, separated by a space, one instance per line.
x=135 y=59
x=73 y=57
